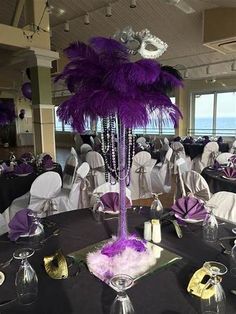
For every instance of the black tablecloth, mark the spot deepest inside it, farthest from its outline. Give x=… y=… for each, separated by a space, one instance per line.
x=196 y=149
x=162 y=292
x=217 y=183
x=12 y=186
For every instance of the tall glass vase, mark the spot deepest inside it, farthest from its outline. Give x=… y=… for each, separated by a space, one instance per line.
x=122 y=230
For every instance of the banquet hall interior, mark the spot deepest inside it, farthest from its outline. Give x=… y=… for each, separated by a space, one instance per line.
x=118 y=145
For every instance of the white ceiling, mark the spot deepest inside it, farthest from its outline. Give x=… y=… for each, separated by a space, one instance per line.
x=182 y=32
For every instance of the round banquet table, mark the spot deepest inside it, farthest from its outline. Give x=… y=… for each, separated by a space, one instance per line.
x=12 y=186
x=161 y=292
x=216 y=182
x=195 y=149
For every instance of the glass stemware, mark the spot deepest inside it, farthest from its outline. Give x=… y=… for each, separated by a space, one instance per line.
x=26 y=281
x=213 y=297
x=210 y=226
x=36 y=232
x=98 y=209
x=156 y=209
x=122 y=304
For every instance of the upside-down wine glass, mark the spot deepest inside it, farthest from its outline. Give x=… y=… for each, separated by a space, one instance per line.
x=213 y=297
x=122 y=304
x=210 y=226
x=36 y=232
x=98 y=208
x=26 y=281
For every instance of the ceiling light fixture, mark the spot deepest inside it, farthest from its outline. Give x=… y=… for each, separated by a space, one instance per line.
x=133 y=4
x=108 y=10
x=86 y=19
x=66 y=26
x=233 y=66
x=61 y=11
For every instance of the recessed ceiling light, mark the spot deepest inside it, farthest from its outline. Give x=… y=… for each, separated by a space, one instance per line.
x=86 y=19
x=61 y=11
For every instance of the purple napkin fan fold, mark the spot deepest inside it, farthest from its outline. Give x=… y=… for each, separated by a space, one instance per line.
x=229 y=172
x=189 y=208
x=27 y=157
x=23 y=169
x=110 y=202
x=21 y=224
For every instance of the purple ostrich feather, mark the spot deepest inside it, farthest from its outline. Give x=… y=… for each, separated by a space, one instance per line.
x=104 y=81
x=7 y=111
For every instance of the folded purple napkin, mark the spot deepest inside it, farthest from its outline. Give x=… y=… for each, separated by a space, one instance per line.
x=220 y=140
x=23 y=169
x=188 y=140
x=5 y=168
x=21 y=224
x=233 y=159
x=189 y=207
x=177 y=139
x=229 y=172
x=27 y=157
x=48 y=164
x=216 y=165
x=110 y=202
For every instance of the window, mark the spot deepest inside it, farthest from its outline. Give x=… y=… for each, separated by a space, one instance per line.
x=214 y=114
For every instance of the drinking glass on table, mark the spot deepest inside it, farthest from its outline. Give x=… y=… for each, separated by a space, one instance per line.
x=210 y=226
x=213 y=298
x=98 y=208
x=26 y=281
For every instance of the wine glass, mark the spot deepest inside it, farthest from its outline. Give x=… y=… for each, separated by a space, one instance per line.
x=122 y=304
x=26 y=281
x=210 y=226
x=36 y=231
x=213 y=296
x=98 y=209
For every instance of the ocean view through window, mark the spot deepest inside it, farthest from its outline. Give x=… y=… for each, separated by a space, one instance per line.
x=214 y=114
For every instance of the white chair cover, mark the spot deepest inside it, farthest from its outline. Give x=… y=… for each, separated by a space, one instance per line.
x=78 y=141
x=78 y=196
x=224 y=205
x=106 y=188
x=3 y=225
x=140 y=176
x=43 y=190
x=97 y=169
x=195 y=184
x=233 y=148
x=70 y=169
x=161 y=175
x=166 y=141
x=141 y=140
x=210 y=152
x=179 y=152
x=92 y=141
x=17 y=204
x=85 y=148
x=223 y=158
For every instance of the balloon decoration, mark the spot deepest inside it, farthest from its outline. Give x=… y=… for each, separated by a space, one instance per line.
x=27 y=90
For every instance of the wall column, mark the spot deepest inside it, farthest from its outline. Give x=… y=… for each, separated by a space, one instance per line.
x=42 y=111
x=182 y=100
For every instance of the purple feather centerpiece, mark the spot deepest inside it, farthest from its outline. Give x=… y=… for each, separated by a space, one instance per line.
x=105 y=83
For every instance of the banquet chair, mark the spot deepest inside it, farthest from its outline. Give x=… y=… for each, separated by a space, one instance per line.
x=224 y=205
x=223 y=158
x=97 y=143
x=108 y=188
x=179 y=152
x=161 y=175
x=140 y=175
x=70 y=169
x=210 y=152
x=40 y=198
x=3 y=225
x=78 y=196
x=92 y=141
x=191 y=182
x=157 y=143
x=233 y=148
x=96 y=175
x=78 y=142
x=84 y=149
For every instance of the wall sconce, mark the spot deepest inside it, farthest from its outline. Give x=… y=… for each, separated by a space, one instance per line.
x=86 y=19
x=133 y=4
x=108 y=10
x=66 y=26
x=186 y=73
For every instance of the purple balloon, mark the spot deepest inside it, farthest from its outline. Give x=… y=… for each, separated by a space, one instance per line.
x=27 y=90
